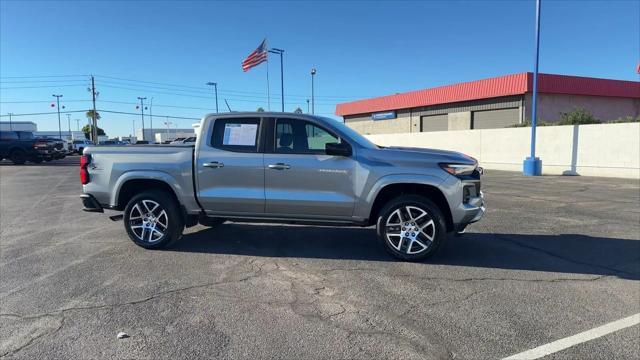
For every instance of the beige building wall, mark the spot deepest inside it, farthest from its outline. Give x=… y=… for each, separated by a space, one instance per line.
x=366 y=126
x=603 y=108
x=460 y=120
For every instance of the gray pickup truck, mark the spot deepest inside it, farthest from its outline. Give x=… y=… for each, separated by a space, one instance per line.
x=289 y=168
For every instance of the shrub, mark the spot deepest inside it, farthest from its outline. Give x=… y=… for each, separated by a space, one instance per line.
x=627 y=119
x=579 y=116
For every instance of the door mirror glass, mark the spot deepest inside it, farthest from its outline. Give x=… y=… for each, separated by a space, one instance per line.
x=338 y=149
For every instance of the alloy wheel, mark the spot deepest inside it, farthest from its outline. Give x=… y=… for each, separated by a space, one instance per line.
x=148 y=221
x=410 y=230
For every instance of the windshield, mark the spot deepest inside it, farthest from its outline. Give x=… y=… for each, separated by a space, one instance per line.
x=352 y=134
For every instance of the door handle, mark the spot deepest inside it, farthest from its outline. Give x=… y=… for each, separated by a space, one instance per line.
x=213 y=164
x=279 y=166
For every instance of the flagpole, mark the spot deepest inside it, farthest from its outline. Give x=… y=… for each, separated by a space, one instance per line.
x=268 y=87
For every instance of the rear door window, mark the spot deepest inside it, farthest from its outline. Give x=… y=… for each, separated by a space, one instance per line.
x=8 y=135
x=240 y=135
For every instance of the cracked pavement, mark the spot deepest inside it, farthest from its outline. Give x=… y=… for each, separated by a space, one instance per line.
x=553 y=257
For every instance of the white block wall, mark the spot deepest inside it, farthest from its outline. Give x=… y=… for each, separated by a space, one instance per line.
x=610 y=150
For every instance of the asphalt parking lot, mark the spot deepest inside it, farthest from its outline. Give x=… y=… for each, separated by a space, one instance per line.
x=554 y=256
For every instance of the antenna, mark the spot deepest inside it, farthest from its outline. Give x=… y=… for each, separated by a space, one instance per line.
x=228 y=107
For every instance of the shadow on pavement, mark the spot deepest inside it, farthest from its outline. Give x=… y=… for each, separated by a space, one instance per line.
x=566 y=253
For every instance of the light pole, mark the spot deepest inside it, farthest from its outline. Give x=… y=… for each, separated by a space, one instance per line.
x=10 y=126
x=69 y=123
x=215 y=89
x=142 y=99
x=58 y=106
x=313 y=103
x=532 y=165
x=280 y=52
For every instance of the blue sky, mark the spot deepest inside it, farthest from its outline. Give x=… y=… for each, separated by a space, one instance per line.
x=360 y=49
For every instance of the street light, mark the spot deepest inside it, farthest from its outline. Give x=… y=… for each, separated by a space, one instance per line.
x=532 y=165
x=215 y=89
x=280 y=52
x=313 y=103
x=69 y=123
x=142 y=113
x=58 y=106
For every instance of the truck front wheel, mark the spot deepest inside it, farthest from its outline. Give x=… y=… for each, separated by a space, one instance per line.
x=411 y=227
x=152 y=220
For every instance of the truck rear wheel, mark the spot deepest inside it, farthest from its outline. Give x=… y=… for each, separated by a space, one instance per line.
x=411 y=227
x=152 y=220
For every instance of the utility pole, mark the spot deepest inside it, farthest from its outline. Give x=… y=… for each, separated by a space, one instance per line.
x=215 y=89
x=142 y=113
x=78 y=124
x=69 y=123
x=58 y=105
x=94 y=116
x=313 y=102
x=151 y=117
x=10 y=126
x=280 y=52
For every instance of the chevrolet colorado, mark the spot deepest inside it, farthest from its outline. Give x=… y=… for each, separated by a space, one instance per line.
x=288 y=168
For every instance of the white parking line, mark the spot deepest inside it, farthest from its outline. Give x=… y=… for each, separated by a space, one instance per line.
x=570 y=341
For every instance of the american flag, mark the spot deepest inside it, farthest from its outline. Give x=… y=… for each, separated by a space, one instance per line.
x=257 y=57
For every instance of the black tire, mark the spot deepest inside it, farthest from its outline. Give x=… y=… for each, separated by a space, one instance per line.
x=18 y=157
x=211 y=221
x=174 y=220
x=411 y=248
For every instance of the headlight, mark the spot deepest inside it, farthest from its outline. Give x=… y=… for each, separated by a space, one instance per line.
x=458 y=169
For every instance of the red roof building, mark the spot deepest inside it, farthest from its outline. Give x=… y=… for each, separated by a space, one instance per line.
x=492 y=103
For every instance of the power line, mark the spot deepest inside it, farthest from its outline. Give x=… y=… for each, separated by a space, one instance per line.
x=38 y=81
x=40 y=76
x=99 y=111
x=200 y=88
x=42 y=86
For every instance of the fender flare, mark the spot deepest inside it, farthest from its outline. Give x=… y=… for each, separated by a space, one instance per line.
x=152 y=175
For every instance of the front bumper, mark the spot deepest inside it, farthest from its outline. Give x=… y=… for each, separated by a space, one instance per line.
x=90 y=203
x=472 y=211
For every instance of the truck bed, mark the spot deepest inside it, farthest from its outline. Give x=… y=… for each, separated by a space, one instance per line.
x=112 y=166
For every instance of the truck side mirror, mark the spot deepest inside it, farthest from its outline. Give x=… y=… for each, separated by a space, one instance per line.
x=337 y=149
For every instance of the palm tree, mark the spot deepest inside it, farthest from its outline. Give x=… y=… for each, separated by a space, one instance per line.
x=260 y=109
x=90 y=115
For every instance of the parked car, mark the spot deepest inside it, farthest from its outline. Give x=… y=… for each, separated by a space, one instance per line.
x=60 y=150
x=177 y=141
x=286 y=168
x=142 y=142
x=22 y=146
x=79 y=145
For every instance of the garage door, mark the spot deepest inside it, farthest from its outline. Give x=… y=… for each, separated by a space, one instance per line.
x=493 y=119
x=434 y=123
